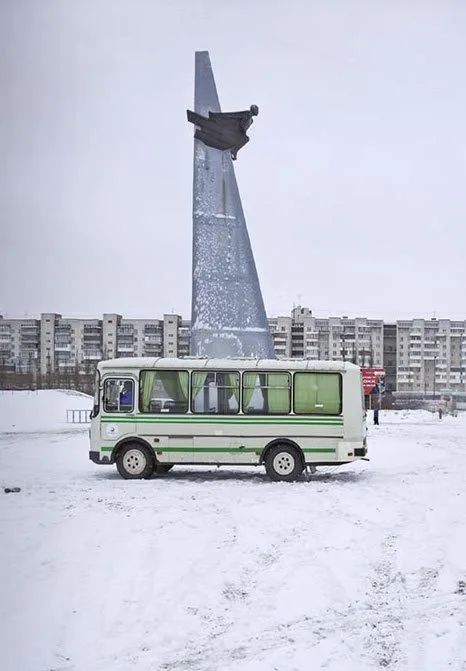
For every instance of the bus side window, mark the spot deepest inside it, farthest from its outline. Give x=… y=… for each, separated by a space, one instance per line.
x=317 y=393
x=266 y=393
x=118 y=395
x=215 y=392
x=163 y=391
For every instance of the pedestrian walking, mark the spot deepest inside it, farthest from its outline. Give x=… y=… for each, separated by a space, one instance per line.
x=376 y=416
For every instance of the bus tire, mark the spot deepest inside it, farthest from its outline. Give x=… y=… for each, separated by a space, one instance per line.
x=163 y=468
x=283 y=462
x=135 y=461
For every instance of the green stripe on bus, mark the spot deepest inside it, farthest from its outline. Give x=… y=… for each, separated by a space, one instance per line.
x=216 y=418
x=129 y=420
x=229 y=450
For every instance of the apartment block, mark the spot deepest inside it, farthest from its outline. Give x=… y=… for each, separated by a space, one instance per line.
x=421 y=356
x=19 y=344
x=131 y=337
x=359 y=340
x=280 y=328
x=389 y=356
x=57 y=344
x=431 y=355
x=177 y=333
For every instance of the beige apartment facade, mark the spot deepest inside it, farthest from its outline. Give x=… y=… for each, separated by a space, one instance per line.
x=431 y=355
x=420 y=356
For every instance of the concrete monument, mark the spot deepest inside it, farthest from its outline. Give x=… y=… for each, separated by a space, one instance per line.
x=228 y=314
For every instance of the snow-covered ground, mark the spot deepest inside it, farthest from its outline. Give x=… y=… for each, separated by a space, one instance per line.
x=39 y=411
x=206 y=570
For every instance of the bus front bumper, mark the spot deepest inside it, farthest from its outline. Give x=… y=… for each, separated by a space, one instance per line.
x=97 y=459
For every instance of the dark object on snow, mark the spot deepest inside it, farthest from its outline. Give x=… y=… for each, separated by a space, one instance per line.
x=376 y=416
x=12 y=490
x=461 y=587
x=224 y=130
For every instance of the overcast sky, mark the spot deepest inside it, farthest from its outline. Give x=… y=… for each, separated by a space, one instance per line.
x=353 y=183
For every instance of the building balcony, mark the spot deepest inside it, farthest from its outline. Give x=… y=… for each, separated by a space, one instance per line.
x=125 y=348
x=60 y=347
x=92 y=344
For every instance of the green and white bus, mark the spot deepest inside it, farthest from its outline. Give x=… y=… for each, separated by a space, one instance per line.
x=152 y=414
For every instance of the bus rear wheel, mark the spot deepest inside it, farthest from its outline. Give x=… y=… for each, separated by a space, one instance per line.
x=135 y=461
x=283 y=462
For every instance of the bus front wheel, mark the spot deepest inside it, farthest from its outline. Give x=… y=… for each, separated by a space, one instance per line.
x=134 y=461
x=283 y=462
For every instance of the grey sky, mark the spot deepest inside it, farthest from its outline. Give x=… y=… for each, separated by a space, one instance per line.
x=353 y=183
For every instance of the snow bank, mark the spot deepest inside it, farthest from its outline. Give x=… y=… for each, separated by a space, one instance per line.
x=43 y=410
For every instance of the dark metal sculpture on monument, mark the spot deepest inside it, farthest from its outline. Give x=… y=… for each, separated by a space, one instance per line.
x=228 y=314
x=224 y=130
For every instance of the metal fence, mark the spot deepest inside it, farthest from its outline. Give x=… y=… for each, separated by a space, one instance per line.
x=78 y=416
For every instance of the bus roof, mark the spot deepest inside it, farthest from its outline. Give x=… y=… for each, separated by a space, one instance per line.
x=224 y=364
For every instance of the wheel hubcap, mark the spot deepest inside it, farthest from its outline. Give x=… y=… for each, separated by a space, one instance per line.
x=284 y=463
x=134 y=462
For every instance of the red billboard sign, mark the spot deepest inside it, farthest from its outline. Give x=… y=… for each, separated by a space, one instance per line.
x=370 y=377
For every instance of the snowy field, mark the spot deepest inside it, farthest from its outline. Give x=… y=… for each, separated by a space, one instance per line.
x=206 y=570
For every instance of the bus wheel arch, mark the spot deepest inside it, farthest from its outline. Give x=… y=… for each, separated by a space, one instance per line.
x=134 y=458
x=124 y=441
x=283 y=459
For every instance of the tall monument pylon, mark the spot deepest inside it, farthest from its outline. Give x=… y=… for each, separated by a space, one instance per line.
x=228 y=314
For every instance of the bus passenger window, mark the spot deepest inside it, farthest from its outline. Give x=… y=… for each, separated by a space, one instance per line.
x=118 y=395
x=317 y=393
x=163 y=391
x=266 y=393
x=215 y=393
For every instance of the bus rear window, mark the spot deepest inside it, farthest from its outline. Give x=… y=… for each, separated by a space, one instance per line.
x=317 y=393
